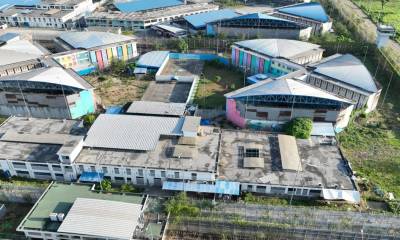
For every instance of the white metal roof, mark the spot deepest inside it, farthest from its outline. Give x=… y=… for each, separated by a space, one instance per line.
x=87 y=40
x=278 y=47
x=131 y=132
x=53 y=75
x=18 y=51
x=289 y=153
x=170 y=28
x=157 y=108
x=348 y=69
x=102 y=218
x=337 y=194
x=283 y=87
x=153 y=59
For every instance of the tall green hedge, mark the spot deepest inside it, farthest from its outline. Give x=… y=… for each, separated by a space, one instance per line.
x=299 y=128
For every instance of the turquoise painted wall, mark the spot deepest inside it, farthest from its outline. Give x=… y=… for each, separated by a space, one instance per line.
x=84 y=105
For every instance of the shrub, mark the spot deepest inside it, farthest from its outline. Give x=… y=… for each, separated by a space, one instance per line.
x=179 y=205
x=299 y=128
x=127 y=188
x=89 y=119
x=106 y=185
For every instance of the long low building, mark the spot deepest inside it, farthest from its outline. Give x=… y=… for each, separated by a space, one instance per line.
x=347 y=77
x=176 y=153
x=86 y=52
x=77 y=211
x=144 y=19
x=272 y=102
x=309 y=13
x=259 y=25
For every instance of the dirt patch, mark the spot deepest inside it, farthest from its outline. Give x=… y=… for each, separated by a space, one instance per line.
x=114 y=90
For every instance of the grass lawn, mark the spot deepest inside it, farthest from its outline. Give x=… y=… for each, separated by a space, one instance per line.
x=217 y=81
x=391 y=12
x=14 y=214
x=116 y=90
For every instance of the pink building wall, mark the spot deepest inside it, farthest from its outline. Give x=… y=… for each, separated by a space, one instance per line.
x=233 y=115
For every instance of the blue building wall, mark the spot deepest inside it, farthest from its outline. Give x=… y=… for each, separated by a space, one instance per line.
x=84 y=105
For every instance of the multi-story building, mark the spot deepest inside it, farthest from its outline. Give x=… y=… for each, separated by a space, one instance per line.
x=275 y=57
x=259 y=25
x=272 y=102
x=347 y=77
x=311 y=14
x=47 y=14
x=278 y=164
x=147 y=150
x=22 y=55
x=40 y=148
x=140 y=20
x=78 y=211
x=85 y=52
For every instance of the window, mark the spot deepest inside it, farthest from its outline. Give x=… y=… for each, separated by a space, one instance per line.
x=162 y=173
x=140 y=172
x=285 y=113
x=262 y=114
x=128 y=171
x=249 y=187
x=252 y=152
x=261 y=189
x=40 y=167
x=81 y=168
x=152 y=173
x=56 y=168
x=116 y=170
x=19 y=165
x=176 y=174
x=194 y=176
x=320 y=111
x=92 y=168
x=104 y=169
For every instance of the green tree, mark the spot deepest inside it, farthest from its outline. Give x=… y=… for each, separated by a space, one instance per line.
x=106 y=185
x=183 y=45
x=179 y=205
x=299 y=128
x=89 y=119
x=127 y=188
x=117 y=66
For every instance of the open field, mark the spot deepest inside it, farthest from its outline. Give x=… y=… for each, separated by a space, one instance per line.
x=217 y=81
x=116 y=90
x=391 y=12
x=14 y=214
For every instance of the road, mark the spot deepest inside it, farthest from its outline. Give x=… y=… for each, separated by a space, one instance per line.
x=366 y=28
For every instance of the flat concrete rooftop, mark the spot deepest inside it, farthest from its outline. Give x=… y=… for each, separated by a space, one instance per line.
x=183 y=67
x=39 y=151
x=203 y=155
x=59 y=198
x=321 y=164
x=167 y=92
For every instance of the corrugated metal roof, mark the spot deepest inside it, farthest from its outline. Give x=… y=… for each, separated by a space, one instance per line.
x=18 y=51
x=20 y=2
x=312 y=10
x=348 y=69
x=102 y=218
x=157 y=108
x=200 y=20
x=260 y=16
x=283 y=87
x=8 y=36
x=170 y=28
x=142 y=5
x=220 y=187
x=53 y=75
x=131 y=132
x=87 y=40
x=153 y=59
x=284 y=48
x=290 y=158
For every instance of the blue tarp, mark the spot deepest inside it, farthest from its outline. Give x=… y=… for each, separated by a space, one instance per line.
x=220 y=187
x=91 y=177
x=142 y=5
x=114 y=110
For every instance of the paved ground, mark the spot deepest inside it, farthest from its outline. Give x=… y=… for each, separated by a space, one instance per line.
x=167 y=92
